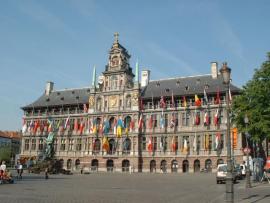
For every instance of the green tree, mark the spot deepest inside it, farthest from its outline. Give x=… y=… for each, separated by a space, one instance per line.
x=5 y=153
x=254 y=102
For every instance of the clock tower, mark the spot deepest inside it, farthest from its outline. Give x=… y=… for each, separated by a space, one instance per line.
x=116 y=90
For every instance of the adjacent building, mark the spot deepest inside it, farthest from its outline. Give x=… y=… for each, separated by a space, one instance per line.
x=120 y=123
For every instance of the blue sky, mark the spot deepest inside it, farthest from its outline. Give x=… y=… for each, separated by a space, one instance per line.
x=61 y=41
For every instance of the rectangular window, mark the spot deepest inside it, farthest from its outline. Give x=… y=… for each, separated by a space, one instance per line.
x=55 y=144
x=143 y=143
x=70 y=144
x=40 y=144
x=154 y=143
x=26 y=144
x=33 y=147
x=79 y=144
x=186 y=118
x=63 y=145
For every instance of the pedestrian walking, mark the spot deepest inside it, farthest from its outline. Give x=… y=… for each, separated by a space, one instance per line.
x=46 y=173
x=19 y=170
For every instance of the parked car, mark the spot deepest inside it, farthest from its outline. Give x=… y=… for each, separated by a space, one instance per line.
x=222 y=173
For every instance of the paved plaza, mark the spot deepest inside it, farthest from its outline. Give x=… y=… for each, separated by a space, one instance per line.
x=118 y=187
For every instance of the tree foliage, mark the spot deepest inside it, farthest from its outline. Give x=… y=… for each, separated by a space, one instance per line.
x=254 y=102
x=5 y=153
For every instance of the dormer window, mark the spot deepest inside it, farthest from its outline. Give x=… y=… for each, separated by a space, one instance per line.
x=115 y=61
x=58 y=93
x=167 y=90
x=206 y=86
x=186 y=87
x=178 y=83
x=157 y=84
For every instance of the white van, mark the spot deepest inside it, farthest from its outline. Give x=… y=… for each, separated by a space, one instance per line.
x=222 y=173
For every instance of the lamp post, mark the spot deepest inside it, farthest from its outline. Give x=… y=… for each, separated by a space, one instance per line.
x=248 y=184
x=226 y=75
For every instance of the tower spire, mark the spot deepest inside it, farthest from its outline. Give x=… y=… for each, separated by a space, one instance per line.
x=137 y=72
x=94 y=77
x=116 y=35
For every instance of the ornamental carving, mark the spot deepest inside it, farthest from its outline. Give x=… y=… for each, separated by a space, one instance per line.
x=91 y=102
x=113 y=101
x=135 y=98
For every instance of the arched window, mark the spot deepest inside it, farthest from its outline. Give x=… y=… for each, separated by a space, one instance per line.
x=114 y=81
x=163 y=166
x=96 y=147
x=109 y=165
x=153 y=166
x=174 y=166
x=94 y=165
x=99 y=104
x=125 y=165
x=112 y=146
x=196 y=165
x=208 y=165
x=127 y=121
x=126 y=146
x=185 y=166
x=69 y=163
x=112 y=123
x=77 y=163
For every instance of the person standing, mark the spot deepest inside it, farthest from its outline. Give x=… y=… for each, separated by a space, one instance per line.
x=19 y=170
x=3 y=166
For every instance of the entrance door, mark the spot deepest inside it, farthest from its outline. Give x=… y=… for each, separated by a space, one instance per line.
x=110 y=165
x=152 y=166
x=174 y=166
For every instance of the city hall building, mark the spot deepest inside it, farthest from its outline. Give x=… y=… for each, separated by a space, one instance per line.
x=121 y=123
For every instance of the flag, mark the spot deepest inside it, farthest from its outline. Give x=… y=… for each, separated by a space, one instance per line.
x=119 y=127
x=217 y=141
x=195 y=143
x=162 y=103
x=185 y=148
x=41 y=126
x=140 y=124
x=76 y=126
x=206 y=118
x=217 y=101
x=50 y=127
x=161 y=143
x=162 y=121
x=216 y=117
x=174 y=144
x=105 y=144
x=197 y=119
x=36 y=126
x=85 y=110
x=67 y=122
x=173 y=102
x=150 y=122
x=184 y=102
x=172 y=123
x=197 y=101
x=150 y=145
x=131 y=125
x=82 y=126
x=106 y=128
x=24 y=127
x=205 y=96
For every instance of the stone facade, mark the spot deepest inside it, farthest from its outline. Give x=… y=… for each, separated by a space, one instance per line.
x=121 y=125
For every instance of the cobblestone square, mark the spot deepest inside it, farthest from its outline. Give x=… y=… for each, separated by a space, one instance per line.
x=119 y=187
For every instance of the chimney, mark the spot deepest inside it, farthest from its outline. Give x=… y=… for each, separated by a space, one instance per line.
x=49 y=88
x=145 y=77
x=214 y=70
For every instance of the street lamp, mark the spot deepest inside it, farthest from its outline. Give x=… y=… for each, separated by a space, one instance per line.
x=248 y=184
x=226 y=75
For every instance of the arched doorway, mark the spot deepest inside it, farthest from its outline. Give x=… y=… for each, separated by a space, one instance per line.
x=61 y=163
x=208 y=165
x=153 y=166
x=69 y=163
x=125 y=165
x=127 y=121
x=220 y=161
x=94 y=165
x=174 y=166
x=163 y=166
x=111 y=146
x=109 y=165
x=77 y=164
x=126 y=146
x=185 y=166
x=197 y=166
